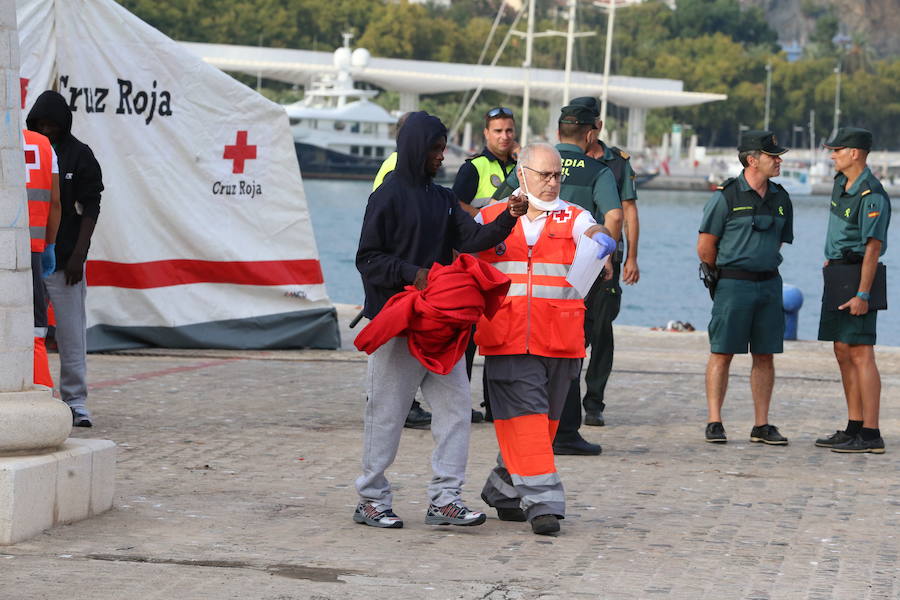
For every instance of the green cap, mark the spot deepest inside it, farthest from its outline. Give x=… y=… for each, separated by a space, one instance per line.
x=762 y=141
x=588 y=102
x=577 y=114
x=850 y=137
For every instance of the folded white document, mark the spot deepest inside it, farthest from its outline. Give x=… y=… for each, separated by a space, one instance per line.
x=586 y=267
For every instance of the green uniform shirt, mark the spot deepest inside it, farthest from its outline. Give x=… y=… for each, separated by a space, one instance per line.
x=743 y=245
x=860 y=213
x=585 y=182
x=628 y=190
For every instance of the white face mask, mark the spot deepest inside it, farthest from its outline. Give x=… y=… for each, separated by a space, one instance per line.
x=537 y=202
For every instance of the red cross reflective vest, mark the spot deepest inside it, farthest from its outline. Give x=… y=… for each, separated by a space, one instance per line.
x=543 y=314
x=38 y=183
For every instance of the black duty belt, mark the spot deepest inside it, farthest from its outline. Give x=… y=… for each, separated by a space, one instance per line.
x=845 y=261
x=747 y=275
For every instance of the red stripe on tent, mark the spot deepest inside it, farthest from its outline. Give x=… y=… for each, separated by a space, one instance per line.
x=162 y=273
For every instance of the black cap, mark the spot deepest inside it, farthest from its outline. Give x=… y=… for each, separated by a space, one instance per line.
x=588 y=102
x=576 y=114
x=850 y=137
x=763 y=141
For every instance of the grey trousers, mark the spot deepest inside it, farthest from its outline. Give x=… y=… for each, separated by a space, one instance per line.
x=392 y=380
x=71 y=337
x=528 y=393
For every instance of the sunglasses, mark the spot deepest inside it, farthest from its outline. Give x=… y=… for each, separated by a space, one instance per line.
x=546 y=176
x=500 y=111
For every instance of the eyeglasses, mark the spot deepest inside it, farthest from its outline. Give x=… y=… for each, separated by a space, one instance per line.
x=500 y=111
x=546 y=176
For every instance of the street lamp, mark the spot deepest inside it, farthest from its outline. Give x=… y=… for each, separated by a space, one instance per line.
x=768 y=93
x=837 y=98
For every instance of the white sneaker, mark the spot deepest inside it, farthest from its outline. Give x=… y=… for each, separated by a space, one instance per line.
x=454 y=513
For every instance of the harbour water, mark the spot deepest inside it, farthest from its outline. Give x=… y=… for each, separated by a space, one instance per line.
x=669 y=288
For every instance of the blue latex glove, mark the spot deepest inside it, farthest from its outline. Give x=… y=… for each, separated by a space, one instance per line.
x=607 y=244
x=48 y=261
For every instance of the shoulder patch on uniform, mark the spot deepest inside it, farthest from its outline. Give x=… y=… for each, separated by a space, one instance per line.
x=624 y=154
x=726 y=183
x=874 y=214
x=865 y=193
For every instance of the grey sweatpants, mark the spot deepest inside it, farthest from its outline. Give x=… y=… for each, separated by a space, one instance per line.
x=393 y=377
x=71 y=337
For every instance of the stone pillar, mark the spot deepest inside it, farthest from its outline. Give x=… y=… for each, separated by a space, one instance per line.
x=44 y=479
x=409 y=102
x=637 y=126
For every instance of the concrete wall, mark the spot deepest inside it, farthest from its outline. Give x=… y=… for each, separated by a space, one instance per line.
x=16 y=316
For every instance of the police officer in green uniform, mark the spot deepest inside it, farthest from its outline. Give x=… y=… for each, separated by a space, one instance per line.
x=591 y=185
x=480 y=176
x=744 y=224
x=607 y=299
x=857 y=234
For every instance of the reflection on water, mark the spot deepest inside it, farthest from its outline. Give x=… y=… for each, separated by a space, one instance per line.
x=669 y=288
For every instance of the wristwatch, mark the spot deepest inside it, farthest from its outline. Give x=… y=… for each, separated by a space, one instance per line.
x=863 y=295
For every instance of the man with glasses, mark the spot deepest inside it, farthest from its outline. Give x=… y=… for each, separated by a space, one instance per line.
x=590 y=185
x=534 y=344
x=857 y=235
x=744 y=224
x=476 y=181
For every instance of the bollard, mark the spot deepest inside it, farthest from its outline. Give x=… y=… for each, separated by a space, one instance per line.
x=792 y=300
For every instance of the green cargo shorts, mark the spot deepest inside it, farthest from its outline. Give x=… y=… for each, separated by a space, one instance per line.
x=841 y=326
x=747 y=313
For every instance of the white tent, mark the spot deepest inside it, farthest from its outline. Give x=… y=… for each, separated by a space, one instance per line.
x=204 y=238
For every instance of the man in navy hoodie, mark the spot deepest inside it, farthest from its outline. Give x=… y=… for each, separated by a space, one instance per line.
x=80 y=185
x=411 y=223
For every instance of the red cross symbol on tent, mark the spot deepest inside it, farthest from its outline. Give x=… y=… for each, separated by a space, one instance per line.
x=239 y=152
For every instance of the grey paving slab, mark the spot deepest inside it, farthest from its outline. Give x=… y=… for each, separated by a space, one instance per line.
x=236 y=478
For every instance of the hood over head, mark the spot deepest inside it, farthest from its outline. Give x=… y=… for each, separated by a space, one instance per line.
x=418 y=134
x=52 y=106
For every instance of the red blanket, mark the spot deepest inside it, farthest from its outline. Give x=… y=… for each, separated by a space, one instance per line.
x=437 y=321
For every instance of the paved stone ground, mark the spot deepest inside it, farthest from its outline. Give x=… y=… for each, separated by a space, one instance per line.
x=236 y=481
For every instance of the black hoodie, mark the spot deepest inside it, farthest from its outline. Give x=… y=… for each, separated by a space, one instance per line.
x=80 y=178
x=411 y=223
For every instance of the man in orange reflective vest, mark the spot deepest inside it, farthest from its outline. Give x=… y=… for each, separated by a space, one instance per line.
x=42 y=185
x=533 y=346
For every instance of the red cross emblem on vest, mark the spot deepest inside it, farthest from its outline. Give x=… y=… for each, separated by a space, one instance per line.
x=239 y=152
x=32 y=160
x=562 y=216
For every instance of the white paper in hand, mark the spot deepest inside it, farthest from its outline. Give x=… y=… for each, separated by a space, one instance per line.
x=586 y=267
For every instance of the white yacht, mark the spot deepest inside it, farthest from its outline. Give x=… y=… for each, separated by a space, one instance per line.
x=338 y=132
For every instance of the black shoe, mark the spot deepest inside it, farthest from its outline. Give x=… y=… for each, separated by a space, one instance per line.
x=418 y=417
x=857 y=445
x=838 y=437
x=767 y=434
x=594 y=418
x=506 y=514
x=545 y=524
x=715 y=433
x=577 y=447
x=81 y=417
x=477 y=417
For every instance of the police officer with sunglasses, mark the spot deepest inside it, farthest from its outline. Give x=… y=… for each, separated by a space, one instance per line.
x=744 y=224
